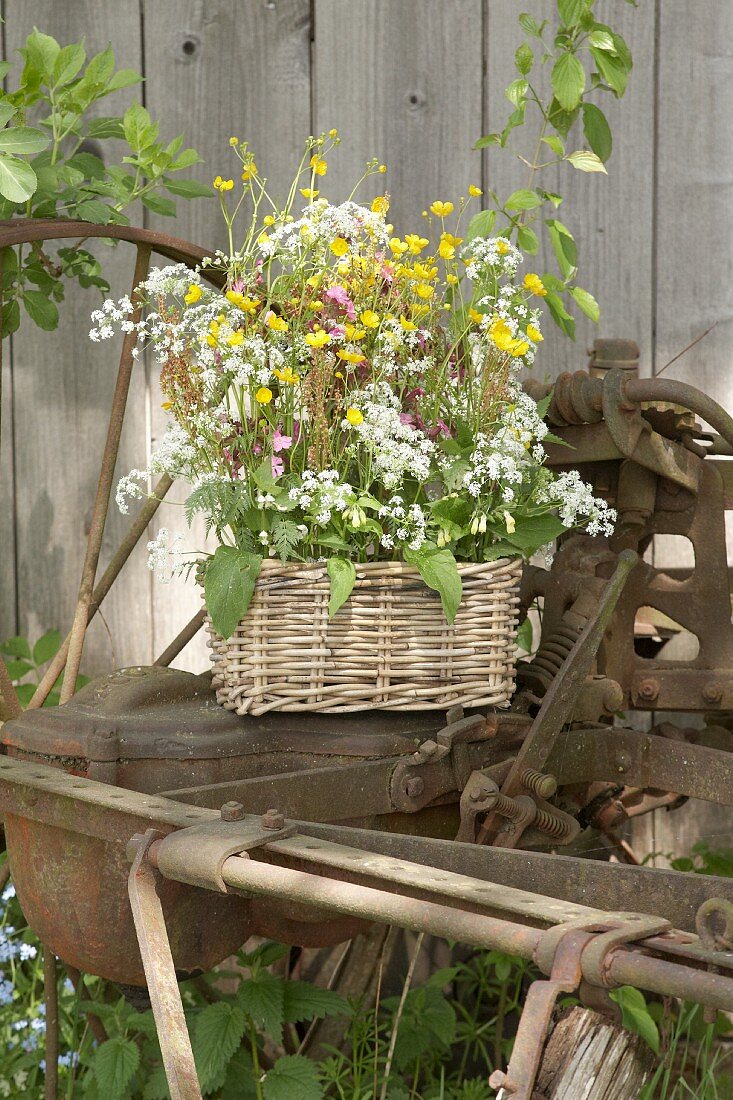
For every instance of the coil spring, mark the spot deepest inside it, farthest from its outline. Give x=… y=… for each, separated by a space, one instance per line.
x=551 y=824
x=550 y=656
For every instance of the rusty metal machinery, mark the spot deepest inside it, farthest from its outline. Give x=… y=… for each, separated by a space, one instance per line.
x=150 y=831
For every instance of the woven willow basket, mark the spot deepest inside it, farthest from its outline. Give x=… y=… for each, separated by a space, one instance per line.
x=387 y=647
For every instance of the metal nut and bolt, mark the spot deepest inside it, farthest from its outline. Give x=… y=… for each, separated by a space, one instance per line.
x=649 y=689
x=414 y=786
x=543 y=785
x=232 y=811
x=273 y=820
x=713 y=692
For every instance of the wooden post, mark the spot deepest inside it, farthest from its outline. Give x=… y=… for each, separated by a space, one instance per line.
x=589 y=1057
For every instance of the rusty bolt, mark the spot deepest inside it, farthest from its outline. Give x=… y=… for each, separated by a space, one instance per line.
x=232 y=811
x=713 y=692
x=649 y=689
x=543 y=785
x=414 y=786
x=273 y=820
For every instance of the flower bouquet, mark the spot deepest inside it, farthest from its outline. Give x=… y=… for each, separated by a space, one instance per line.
x=345 y=404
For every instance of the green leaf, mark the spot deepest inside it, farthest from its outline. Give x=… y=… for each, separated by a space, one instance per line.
x=527 y=240
x=597 y=131
x=563 y=246
x=586 y=161
x=41 y=310
x=46 y=647
x=481 y=225
x=635 y=1014
x=559 y=314
x=217 y=1033
x=439 y=570
x=68 y=63
x=568 y=81
x=516 y=92
x=25 y=693
x=239 y=1083
x=159 y=204
x=532 y=532
x=17 y=179
x=524 y=635
x=124 y=78
x=10 y=317
x=555 y=144
x=262 y=997
x=229 y=584
x=561 y=119
x=587 y=303
x=602 y=40
x=106 y=128
x=188 y=189
x=114 y=1063
x=18 y=668
x=343 y=579
x=40 y=53
x=7 y=110
x=523 y=200
x=293 y=1077
x=156 y=1085
x=92 y=210
x=572 y=11
x=304 y=1001
x=139 y=130
x=16 y=647
x=612 y=70
x=488 y=139
x=529 y=24
x=187 y=159
x=524 y=58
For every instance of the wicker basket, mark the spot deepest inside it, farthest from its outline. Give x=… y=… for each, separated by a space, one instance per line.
x=388 y=646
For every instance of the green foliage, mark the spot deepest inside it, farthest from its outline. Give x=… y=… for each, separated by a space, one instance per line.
x=343 y=578
x=635 y=1016
x=583 y=59
x=439 y=570
x=61 y=167
x=229 y=583
x=25 y=665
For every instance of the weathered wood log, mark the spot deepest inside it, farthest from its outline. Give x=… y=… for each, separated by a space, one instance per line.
x=589 y=1057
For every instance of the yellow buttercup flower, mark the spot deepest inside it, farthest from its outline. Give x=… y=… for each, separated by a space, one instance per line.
x=333 y=133
x=315 y=305
x=287 y=375
x=192 y=295
x=263 y=395
x=234 y=141
x=380 y=205
x=519 y=347
x=398 y=247
x=319 y=165
x=502 y=246
x=451 y=279
x=450 y=239
x=425 y=271
x=167 y=406
x=246 y=304
x=354 y=333
x=223 y=185
x=441 y=209
x=249 y=171
x=474 y=190
x=424 y=290
x=354 y=417
x=263 y=238
x=382 y=169
x=277 y=324
x=475 y=316
x=408 y=326
x=317 y=339
x=339 y=246
x=534 y=285
x=415 y=243
x=236 y=339
x=501 y=334
x=534 y=334
x=369 y=318
x=420 y=308
x=446 y=251
x=350 y=356
x=309 y=193
x=268 y=219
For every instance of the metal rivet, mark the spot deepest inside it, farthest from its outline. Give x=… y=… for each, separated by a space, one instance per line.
x=231 y=811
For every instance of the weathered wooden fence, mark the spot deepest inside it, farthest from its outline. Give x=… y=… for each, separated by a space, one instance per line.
x=415 y=83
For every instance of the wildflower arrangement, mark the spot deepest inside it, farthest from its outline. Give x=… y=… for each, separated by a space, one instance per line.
x=348 y=395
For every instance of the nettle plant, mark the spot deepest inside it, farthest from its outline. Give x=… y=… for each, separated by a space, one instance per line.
x=582 y=59
x=58 y=167
x=350 y=395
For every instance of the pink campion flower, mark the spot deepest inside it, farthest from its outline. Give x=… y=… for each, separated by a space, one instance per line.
x=296 y=431
x=440 y=428
x=238 y=286
x=278 y=466
x=335 y=330
x=257 y=450
x=281 y=442
x=338 y=294
x=407 y=418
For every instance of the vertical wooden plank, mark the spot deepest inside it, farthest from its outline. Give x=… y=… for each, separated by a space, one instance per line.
x=62 y=387
x=402 y=81
x=611 y=218
x=8 y=624
x=216 y=70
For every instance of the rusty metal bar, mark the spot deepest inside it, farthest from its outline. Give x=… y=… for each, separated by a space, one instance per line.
x=51 y=1000
x=182 y=639
x=160 y=974
x=103 y=585
x=104 y=487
